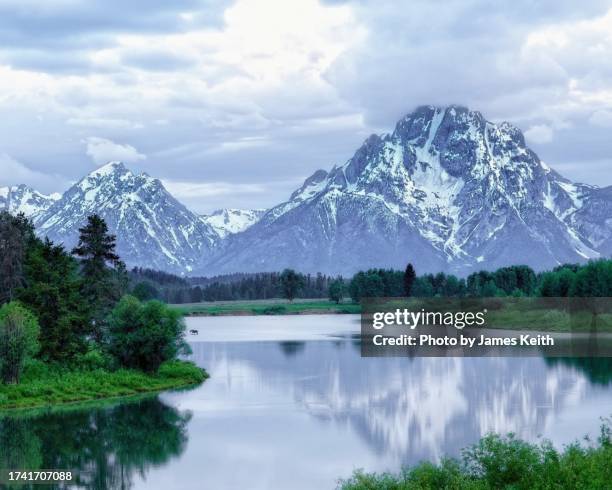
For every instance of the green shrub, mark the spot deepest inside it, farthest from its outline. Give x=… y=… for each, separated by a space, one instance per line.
x=144 y=335
x=93 y=359
x=274 y=310
x=19 y=333
x=498 y=462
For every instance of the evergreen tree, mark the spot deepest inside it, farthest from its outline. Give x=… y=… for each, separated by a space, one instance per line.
x=101 y=269
x=53 y=293
x=409 y=277
x=16 y=233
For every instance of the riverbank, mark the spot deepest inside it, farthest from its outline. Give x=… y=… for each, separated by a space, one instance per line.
x=43 y=385
x=267 y=307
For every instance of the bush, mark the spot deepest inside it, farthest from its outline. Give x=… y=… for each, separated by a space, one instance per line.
x=498 y=462
x=274 y=310
x=93 y=359
x=144 y=335
x=19 y=333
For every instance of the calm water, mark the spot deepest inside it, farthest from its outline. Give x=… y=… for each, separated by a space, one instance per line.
x=291 y=404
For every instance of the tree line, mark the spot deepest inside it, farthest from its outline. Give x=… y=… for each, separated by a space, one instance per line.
x=72 y=308
x=593 y=279
x=150 y=284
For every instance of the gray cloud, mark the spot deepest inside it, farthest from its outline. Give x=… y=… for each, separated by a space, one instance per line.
x=223 y=93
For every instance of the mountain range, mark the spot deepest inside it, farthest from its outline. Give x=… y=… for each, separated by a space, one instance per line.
x=446 y=190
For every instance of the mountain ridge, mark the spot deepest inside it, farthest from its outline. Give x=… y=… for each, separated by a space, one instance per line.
x=445 y=189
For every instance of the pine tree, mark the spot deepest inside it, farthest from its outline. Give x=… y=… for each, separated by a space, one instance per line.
x=16 y=233
x=53 y=293
x=409 y=277
x=101 y=269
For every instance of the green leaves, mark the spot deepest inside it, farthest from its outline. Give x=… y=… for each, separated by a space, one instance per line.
x=144 y=335
x=19 y=332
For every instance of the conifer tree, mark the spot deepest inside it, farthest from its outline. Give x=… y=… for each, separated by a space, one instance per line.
x=16 y=233
x=53 y=293
x=101 y=271
x=409 y=277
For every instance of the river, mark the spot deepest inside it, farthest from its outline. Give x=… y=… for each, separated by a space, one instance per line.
x=291 y=404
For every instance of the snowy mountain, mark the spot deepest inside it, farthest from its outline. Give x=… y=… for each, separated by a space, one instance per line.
x=446 y=190
x=23 y=199
x=229 y=221
x=153 y=229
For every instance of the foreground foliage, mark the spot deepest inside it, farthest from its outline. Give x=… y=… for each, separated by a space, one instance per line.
x=44 y=384
x=497 y=462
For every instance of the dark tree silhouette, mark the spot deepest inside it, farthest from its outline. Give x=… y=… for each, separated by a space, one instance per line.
x=409 y=277
x=291 y=282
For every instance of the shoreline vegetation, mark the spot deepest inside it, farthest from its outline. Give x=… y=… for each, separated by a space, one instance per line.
x=71 y=332
x=275 y=306
x=497 y=462
x=44 y=386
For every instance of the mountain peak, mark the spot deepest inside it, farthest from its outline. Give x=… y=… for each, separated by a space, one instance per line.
x=447 y=189
x=109 y=168
x=153 y=229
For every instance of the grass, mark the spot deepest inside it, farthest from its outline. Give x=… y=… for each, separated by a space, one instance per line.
x=497 y=462
x=267 y=307
x=43 y=385
x=503 y=313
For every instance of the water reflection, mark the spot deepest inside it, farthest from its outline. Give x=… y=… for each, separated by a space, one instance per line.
x=407 y=410
x=105 y=446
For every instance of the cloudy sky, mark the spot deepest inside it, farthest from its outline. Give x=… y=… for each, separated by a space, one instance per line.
x=234 y=103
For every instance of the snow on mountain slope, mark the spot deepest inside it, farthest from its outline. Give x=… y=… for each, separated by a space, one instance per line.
x=447 y=190
x=229 y=221
x=153 y=229
x=23 y=199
